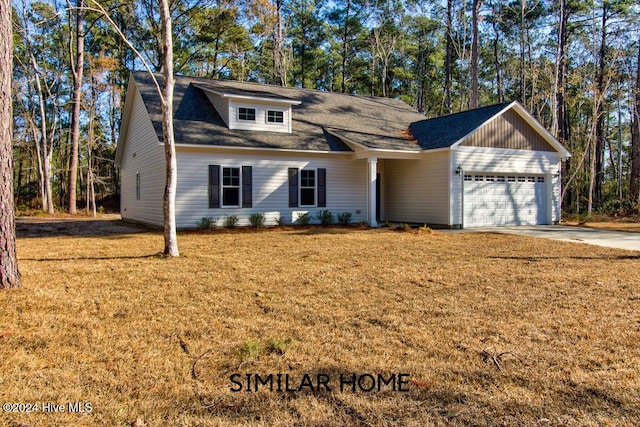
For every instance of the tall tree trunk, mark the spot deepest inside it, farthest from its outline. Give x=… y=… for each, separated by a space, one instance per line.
x=448 y=59
x=635 y=138
x=523 y=45
x=278 y=48
x=345 y=47
x=9 y=274
x=474 y=55
x=599 y=114
x=169 y=202
x=77 y=65
x=497 y=63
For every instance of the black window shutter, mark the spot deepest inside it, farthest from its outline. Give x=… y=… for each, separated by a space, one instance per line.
x=247 y=199
x=322 y=188
x=214 y=186
x=293 y=187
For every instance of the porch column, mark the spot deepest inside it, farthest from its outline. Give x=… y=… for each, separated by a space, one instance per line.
x=373 y=171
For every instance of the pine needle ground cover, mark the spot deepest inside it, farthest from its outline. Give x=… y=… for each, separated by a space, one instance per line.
x=369 y=327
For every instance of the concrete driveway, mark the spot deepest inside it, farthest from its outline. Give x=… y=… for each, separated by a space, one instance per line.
x=591 y=236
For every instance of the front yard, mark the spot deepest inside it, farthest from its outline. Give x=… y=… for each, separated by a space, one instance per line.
x=486 y=329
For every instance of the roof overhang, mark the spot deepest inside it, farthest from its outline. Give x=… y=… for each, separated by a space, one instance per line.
x=535 y=124
x=124 y=126
x=223 y=94
x=361 y=151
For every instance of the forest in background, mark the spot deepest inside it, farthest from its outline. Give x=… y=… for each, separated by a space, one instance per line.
x=573 y=64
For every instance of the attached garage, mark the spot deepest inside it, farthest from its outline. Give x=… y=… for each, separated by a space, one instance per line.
x=504 y=166
x=500 y=200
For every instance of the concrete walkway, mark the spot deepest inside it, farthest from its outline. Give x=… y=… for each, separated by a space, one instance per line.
x=591 y=236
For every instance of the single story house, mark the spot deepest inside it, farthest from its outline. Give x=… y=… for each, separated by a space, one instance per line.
x=246 y=148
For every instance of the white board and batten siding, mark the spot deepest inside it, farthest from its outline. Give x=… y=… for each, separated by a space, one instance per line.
x=345 y=180
x=532 y=198
x=417 y=191
x=143 y=156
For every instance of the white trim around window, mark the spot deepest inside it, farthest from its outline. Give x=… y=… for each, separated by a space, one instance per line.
x=246 y=114
x=308 y=187
x=230 y=188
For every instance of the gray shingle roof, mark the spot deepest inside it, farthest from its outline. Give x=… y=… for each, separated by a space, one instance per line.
x=321 y=122
x=445 y=131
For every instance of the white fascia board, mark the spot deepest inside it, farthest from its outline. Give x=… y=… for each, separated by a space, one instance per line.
x=126 y=117
x=250 y=97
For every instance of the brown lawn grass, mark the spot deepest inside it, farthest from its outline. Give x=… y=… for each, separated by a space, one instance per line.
x=104 y=319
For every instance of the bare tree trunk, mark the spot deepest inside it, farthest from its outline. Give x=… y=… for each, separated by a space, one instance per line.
x=345 y=48
x=474 y=55
x=9 y=274
x=599 y=114
x=278 y=47
x=169 y=205
x=448 y=60
x=77 y=65
x=635 y=138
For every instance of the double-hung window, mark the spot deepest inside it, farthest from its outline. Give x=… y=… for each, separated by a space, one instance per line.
x=307 y=187
x=230 y=186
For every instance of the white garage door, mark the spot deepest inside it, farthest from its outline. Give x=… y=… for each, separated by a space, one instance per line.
x=497 y=199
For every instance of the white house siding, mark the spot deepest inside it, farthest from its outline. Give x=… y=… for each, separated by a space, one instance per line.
x=346 y=181
x=142 y=155
x=499 y=161
x=417 y=191
x=221 y=105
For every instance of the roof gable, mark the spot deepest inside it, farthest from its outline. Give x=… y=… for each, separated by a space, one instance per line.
x=445 y=131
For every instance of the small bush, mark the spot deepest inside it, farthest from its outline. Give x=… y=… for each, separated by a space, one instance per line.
x=386 y=224
x=230 y=221
x=325 y=217
x=425 y=229
x=304 y=219
x=281 y=221
x=344 y=218
x=403 y=227
x=279 y=346
x=257 y=220
x=207 y=223
x=250 y=349
x=363 y=224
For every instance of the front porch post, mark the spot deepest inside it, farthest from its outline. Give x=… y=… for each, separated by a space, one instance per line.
x=373 y=171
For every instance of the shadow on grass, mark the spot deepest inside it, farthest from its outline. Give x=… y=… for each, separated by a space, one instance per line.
x=59 y=227
x=158 y=255
x=556 y=258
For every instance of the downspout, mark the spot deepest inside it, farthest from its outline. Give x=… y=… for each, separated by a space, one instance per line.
x=460 y=172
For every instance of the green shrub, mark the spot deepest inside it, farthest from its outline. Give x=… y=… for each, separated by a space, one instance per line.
x=425 y=229
x=230 y=221
x=325 y=217
x=207 y=223
x=257 y=220
x=279 y=346
x=304 y=219
x=403 y=227
x=250 y=349
x=281 y=221
x=344 y=218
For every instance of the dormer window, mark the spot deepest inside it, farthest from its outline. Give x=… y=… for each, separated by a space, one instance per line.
x=248 y=114
x=275 y=116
